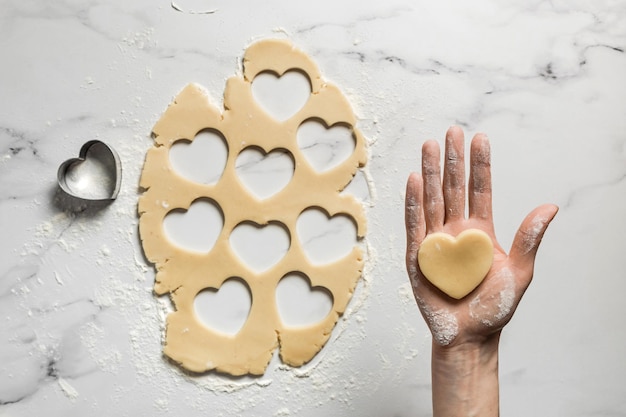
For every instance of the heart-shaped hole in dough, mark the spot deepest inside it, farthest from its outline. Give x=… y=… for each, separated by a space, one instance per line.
x=325 y=147
x=225 y=309
x=299 y=304
x=281 y=96
x=197 y=228
x=260 y=247
x=325 y=239
x=456 y=265
x=201 y=160
x=264 y=174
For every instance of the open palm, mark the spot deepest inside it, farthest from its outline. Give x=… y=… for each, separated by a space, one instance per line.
x=432 y=206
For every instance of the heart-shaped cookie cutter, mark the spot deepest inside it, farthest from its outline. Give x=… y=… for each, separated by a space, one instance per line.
x=106 y=173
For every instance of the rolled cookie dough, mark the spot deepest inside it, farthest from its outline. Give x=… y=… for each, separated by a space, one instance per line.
x=184 y=274
x=456 y=265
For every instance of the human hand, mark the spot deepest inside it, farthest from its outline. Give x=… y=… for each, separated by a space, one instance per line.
x=435 y=207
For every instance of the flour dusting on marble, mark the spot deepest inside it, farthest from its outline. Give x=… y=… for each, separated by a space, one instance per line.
x=67 y=388
x=405 y=293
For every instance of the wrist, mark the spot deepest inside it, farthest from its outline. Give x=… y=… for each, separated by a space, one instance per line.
x=465 y=378
x=484 y=346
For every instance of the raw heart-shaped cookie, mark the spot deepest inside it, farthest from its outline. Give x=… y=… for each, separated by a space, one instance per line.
x=456 y=265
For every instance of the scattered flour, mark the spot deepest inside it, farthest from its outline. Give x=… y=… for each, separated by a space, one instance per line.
x=443 y=324
x=507 y=297
x=161 y=404
x=69 y=391
x=531 y=238
x=282 y=412
x=370 y=186
x=485 y=310
x=405 y=292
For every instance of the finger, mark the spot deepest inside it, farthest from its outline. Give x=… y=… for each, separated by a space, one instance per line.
x=454 y=175
x=528 y=237
x=414 y=221
x=479 y=188
x=433 y=196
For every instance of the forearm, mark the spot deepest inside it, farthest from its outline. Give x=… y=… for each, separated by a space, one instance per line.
x=465 y=379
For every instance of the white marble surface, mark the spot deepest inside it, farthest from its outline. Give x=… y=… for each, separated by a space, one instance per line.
x=80 y=329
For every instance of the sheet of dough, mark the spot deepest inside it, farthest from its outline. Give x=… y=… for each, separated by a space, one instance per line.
x=183 y=274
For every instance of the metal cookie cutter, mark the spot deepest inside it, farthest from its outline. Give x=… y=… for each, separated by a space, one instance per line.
x=96 y=175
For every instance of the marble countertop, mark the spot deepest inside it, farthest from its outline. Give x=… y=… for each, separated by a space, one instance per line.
x=81 y=329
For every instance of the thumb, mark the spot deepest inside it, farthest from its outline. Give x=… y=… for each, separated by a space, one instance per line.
x=529 y=235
